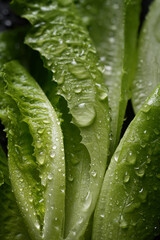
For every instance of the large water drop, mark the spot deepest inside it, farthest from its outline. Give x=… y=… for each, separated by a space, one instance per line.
x=83 y=114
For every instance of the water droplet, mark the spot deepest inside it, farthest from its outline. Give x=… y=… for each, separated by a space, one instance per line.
x=64 y=88
x=79 y=71
x=70 y=178
x=62 y=190
x=80 y=221
x=98 y=136
x=123 y=223
x=146 y=135
x=78 y=90
x=46 y=121
x=74 y=159
x=93 y=173
x=19 y=236
x=113 y=27
x=86 y=20
x=65 y=2
x=102 y=92
x=31 y=199
x=103 y=96
x=1 y=178
x=60 y=80
x=8 y=23
x=50 y=176
x=103 y=58
x=139 y=172
x=108 y=70
x=37 y=225
x=116 y=156
x=148 y=160
x=41 y=158
x=146 y=108
x=43 y=180
x=155 y=188
x=115 y=6
x=11 y=132
x=131 y=158
x=158 y=175
x=40 y=130
x=111 y=40
x=83 y=114
x=130 y=207
x=87 y=201
x=156 y=131
x=143 y=195
x=126 y=177
x=143 y=145
x=38 y=144
x=52 y=155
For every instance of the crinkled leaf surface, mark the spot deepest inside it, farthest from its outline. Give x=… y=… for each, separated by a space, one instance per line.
x=12 y=47
x=77 y=173
x=65 y=46
x=11 y=222
x=39 y=175
x=128 y=207
x=113 y=26
x=147 y=73
x=20 y=160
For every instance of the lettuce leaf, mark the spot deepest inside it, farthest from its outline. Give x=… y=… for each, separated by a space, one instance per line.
x=36 y=158
x=68 y=52
x=11 y=221
x=12 y=225
x=113 y=26
x=147 y=74
x=128 y=207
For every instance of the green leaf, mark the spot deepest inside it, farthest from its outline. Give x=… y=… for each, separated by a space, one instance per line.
x=68 y=52
x=12 y=47
x=128 y=207
x=21 y=161
x=77 y=174
x=11 y=222
x=43 y=172
x=147 y=69
x=113 y=26
x=4 y=174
